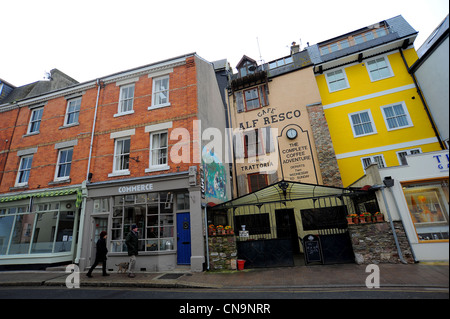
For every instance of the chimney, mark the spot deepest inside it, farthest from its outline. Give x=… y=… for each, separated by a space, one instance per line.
x=295 y=48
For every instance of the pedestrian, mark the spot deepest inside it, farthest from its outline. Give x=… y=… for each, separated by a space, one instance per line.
x=100 y=255
x=132 y=244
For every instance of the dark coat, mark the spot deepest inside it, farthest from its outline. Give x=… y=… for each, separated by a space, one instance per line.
x=132 y=243
x=101 y=250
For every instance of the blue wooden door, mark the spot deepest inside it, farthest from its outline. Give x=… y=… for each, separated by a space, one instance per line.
x=183 y=239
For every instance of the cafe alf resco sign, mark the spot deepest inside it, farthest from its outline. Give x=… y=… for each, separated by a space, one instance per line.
x=294 y=145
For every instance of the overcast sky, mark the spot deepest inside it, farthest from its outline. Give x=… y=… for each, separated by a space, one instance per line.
x=88 y=39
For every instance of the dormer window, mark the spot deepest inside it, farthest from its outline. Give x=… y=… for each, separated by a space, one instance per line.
x=247 y=68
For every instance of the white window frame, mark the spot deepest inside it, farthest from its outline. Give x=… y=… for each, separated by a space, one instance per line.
x=417 y=150
x=388 y=67
x=329 y=82
x=372 y=123
x=374 y=161
x=405 y=109
x=77 y=102
x=30 y=124
x=20 y=170
x=158 y=167
x=155 y=93
x=59 y=164
x=117 y=171
x=122 y=98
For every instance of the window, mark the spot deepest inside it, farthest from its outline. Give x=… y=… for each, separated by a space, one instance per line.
x=122 y=155
x=126 y=99
x=362 y=123
x=256 y=182
x=247 y=68
x=64 y=164
x=48 y=229
x=35 y=120
x=402 y=155
x=336 y=81
x=72 y=112
x=396 y=116
x=428 y=206
x=251 y=99
x=152 y=213
x=158 y=150
x=255 y=98
x=161 y=92
x=376 y=159
x=24 y=170
x=379 y=69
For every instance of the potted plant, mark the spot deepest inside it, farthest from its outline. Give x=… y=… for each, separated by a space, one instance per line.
x=350 y=218
x=211 y=230
x=365 y=217
x=354 y=218
x=220 y=230
x=229 y=230
x=379 y=217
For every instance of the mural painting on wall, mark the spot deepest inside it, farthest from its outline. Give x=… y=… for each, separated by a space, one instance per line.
x=215 y=176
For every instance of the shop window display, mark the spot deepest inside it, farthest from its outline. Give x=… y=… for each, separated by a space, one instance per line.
x=428 y=206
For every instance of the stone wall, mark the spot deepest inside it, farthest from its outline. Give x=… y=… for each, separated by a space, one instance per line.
x=324 y=146
x=374 y=243
x=222 y=252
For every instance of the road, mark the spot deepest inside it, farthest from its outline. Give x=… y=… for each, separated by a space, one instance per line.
x=223 y=294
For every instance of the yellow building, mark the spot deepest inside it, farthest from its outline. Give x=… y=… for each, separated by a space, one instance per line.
x=373 y=108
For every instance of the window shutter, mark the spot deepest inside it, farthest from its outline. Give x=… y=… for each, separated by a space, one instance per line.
x=263 y=92
x=238 y=142
x=268 y=139
x=239 y=102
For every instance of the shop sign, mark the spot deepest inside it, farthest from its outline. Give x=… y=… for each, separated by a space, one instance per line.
x=267 y=116
x=442 y=162
x=135 y=188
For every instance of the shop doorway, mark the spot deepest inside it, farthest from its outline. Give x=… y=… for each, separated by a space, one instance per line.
x=287 y=228
x=183 y=239
x=100 y=224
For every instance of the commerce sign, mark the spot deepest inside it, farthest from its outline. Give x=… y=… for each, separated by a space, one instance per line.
x=135 y=188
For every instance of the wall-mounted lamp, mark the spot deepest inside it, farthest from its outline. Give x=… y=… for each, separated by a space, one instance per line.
x=136 y=159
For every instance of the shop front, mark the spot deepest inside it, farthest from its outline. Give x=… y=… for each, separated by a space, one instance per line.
x=290 y=224
x=419 y=196
x=39 y=228
x=167 y=211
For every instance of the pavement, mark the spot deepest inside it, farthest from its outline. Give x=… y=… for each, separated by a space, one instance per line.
x=425 y=275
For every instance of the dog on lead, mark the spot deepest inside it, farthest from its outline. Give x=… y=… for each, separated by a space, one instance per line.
x=123 y=267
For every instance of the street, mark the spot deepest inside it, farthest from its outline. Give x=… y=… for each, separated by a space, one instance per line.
x=224 y=294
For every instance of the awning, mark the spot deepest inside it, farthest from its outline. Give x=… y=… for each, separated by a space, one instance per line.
x=47 y=193
x=287 y=191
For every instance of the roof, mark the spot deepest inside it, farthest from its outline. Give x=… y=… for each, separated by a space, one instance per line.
x=434 y=37
x=294 y=191
x=399 y=31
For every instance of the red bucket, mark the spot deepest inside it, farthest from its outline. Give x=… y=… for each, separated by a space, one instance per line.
x=240 y=264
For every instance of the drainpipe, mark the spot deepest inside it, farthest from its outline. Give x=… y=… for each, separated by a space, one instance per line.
x=206 y=236
x=419 y=92
x=407 y=237
x=83 y=185
x=400 y=255
x=99 y=84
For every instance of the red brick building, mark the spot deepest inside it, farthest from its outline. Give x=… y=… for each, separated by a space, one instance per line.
x=102 y=155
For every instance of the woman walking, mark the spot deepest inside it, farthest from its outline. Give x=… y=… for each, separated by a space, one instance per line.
x=100 y=255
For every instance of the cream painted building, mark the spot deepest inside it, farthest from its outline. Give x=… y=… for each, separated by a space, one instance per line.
x=279 y=133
